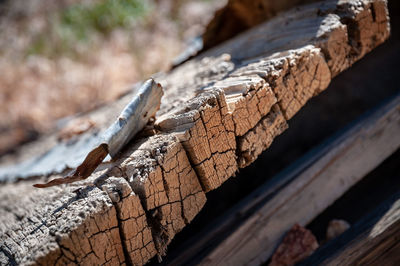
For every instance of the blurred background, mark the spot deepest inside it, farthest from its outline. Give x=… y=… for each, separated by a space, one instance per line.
x=60 y=57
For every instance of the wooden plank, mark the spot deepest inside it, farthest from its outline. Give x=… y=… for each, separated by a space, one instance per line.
x=359 y=151
x=372 y=240
x=296 y=54
x=159 y=172
x=211 y=122
x=205 y=241
x=58 y=226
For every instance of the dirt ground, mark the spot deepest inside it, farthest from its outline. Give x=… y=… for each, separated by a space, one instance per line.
x=60 y=57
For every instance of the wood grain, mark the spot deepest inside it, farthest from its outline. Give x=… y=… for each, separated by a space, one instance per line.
x=355 y=154
x=219 y=112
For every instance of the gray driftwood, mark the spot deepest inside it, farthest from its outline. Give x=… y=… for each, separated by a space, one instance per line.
x=218 y=113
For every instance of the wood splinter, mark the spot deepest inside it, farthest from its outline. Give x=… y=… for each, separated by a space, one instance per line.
x=132 y=119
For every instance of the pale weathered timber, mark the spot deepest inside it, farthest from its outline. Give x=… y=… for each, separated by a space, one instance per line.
x=159 y=171
x=374 y=240
x=211 y=122
x=58 y=226
x=296 y=53
x=261 y=136
x=247 y=108
x=156 y=175
x=355 y=153
x=206 y=130
x=295 y=77
x=135 y=233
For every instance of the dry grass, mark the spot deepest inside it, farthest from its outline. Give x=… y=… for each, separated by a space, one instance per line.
x=54 y=64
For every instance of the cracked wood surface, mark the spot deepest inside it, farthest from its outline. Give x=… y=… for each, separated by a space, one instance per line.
x=350 y=157
x=159 y=171
x=219 y=112
x=295 y=55
x=58 y=226
x=135 y=233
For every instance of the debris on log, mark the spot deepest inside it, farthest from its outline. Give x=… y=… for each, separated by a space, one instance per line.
x=374 y=240
x=219 y=111
x=132 y=119
x=52 y=155
x=298 y=244
x=336 y=228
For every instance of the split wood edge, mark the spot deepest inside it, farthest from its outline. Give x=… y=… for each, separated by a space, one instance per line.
x=205 y=141
x=355 y=154
x=144 y=105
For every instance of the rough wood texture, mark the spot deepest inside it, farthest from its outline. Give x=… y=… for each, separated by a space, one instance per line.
x=258 y=139
x=135 y=232
x=154 y=173
x=294 y=56
x=218 y=113
x=58 y=226
x=207 y=133
x=159 y=171
x=353 y=155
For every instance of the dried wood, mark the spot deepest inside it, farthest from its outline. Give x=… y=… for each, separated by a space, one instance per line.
x=154 y=173
x=354 y=155
x=132 y=119
x=159 y=171
x=58 y=226
x=218 y=113
x=286 y=60
x=52 y=154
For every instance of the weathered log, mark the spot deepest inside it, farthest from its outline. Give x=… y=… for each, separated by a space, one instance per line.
x=58 y=226
x=159 y=171
x=218 y=113
x=295 y=55
x=349 y=158
x=132 y=120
